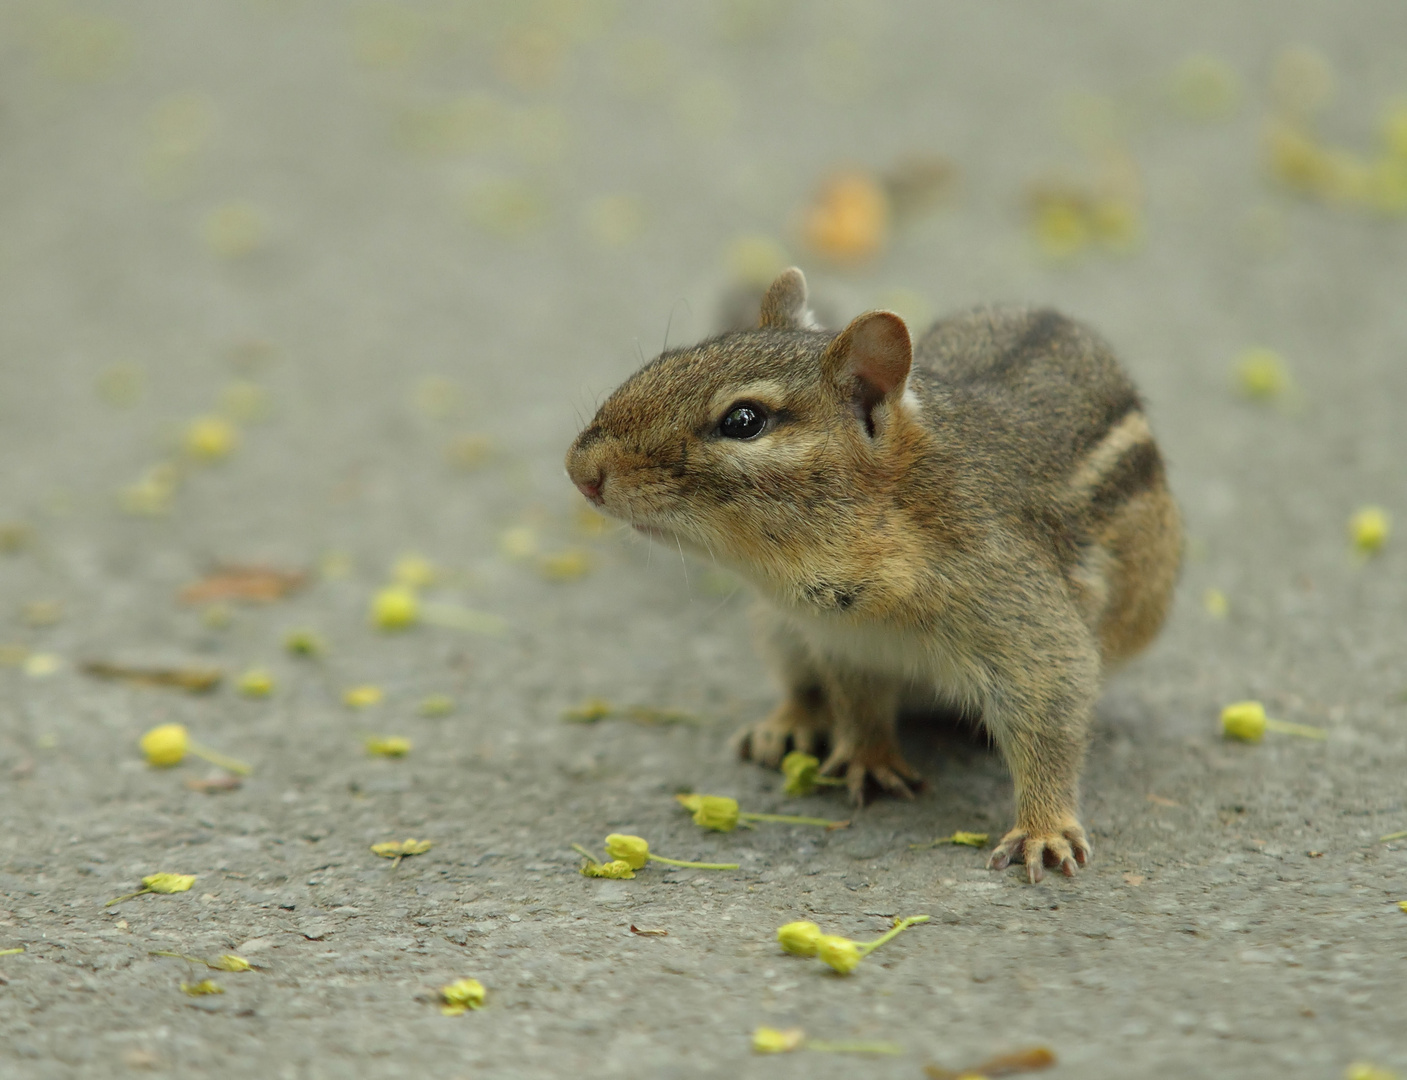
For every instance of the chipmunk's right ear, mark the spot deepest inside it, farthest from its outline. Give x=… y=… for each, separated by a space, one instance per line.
x=784 y=305
x=870 y=360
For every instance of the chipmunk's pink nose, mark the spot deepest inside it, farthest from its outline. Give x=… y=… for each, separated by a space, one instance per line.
x=591 y=488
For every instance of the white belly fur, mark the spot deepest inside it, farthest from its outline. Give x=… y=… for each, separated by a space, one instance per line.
x=936 y=670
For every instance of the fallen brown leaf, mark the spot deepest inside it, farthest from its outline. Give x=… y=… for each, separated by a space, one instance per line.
x=1031 y=1060
x=648 y=933
x=255 y=584
x=197 y=680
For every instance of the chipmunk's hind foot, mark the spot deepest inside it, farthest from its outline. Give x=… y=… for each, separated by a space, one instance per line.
x=796 y=724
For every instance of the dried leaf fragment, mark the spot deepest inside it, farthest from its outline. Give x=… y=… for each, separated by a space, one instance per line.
x=633 y=929
x=1031 y=1060
x=251 y=583
x=195 y=680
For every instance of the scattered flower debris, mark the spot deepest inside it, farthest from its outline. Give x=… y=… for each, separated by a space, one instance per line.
x=569 y=565
x=803 y=774
x=205 y=986
x=153 y=491
x=968 y=839
x=398 y=850
x=253 y=584
x=413 y=571
x=362 y=697
x=1262 y=375
x=1246 y=720
x=461 y=996
x=1030 y=1060
x=436 y=705
x=633 y=929
x=767 y=1040
x=168 y=744
x=635 y=851
x=721 y=814
x=195 y=680
x=594 y=709
x=227 y=962
x=395 y=608
x=1205 y=88
x=210 y=438
x=212 y=785
x=617 y=869
x=455 y=617
x=1366 y=1070
x=1369 y=528
x=41 y=665
x=304 y=643
x=388 y=746
x=848 y=221
x=256 y=682
x=1393 y=836
x=839 y=953
x=1215 y=604
x=158 y=883
x=16 y=952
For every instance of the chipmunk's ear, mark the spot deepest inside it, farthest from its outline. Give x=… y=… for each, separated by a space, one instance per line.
x=870 y=360
x=784 y=305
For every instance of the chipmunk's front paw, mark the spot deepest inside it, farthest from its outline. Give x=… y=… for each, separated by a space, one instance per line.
x=1062 y=846
x=791 y=726
x=879 y=762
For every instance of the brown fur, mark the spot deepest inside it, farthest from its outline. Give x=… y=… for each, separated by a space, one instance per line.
x=982 y=519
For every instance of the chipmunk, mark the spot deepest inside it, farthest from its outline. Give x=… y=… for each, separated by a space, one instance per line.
x=981 y=520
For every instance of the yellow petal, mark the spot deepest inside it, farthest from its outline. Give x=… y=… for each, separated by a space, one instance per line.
x=231 y=962
x=205 y=986
x=618 y=869
x=462 y=995
x=361 y=697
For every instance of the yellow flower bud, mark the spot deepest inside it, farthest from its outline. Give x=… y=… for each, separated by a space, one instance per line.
x=1244 y=720
x=165 y=744
x=395 y=608
x=767 y=1040
x=462 y=995
x=303 y=643
x=840 y=953
x=1261 y=374
x=256 y=682
x=391 y=746
x=617 y=868
x=231 y=962
x=717 y=812
x=205 y=986
x=799 y=938
x=211 y=438
x=414 y=571
x=632 y=850
x=168 y=883
x=360 y=697
x=802 y=771
x=1369 y=529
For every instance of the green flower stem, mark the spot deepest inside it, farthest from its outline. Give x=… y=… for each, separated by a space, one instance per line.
x=898 y=928
x=594 y=860
x=694 y=865
x=790 y=819
x=1393 y=836
x=1284 y=727
x=233 y=765
x=854 y=1047
x=129 y=896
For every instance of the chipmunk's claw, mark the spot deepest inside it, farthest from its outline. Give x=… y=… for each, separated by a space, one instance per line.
x=789 y=727
x=883 y=765
x=1065 y=846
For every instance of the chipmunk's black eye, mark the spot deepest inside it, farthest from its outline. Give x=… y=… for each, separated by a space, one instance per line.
x=743 y=422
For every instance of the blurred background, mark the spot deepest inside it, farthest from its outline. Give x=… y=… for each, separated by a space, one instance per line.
x=327 y=288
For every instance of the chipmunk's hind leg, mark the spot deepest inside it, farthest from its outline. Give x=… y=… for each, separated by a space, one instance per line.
x=803 y=720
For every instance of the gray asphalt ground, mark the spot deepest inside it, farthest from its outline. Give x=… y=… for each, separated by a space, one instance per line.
x=397 y=273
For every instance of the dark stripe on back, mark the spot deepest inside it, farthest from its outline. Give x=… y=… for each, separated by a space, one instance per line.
x=1140 y=468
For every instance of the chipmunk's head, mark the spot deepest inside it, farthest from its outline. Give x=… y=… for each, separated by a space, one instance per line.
x=760 y=447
